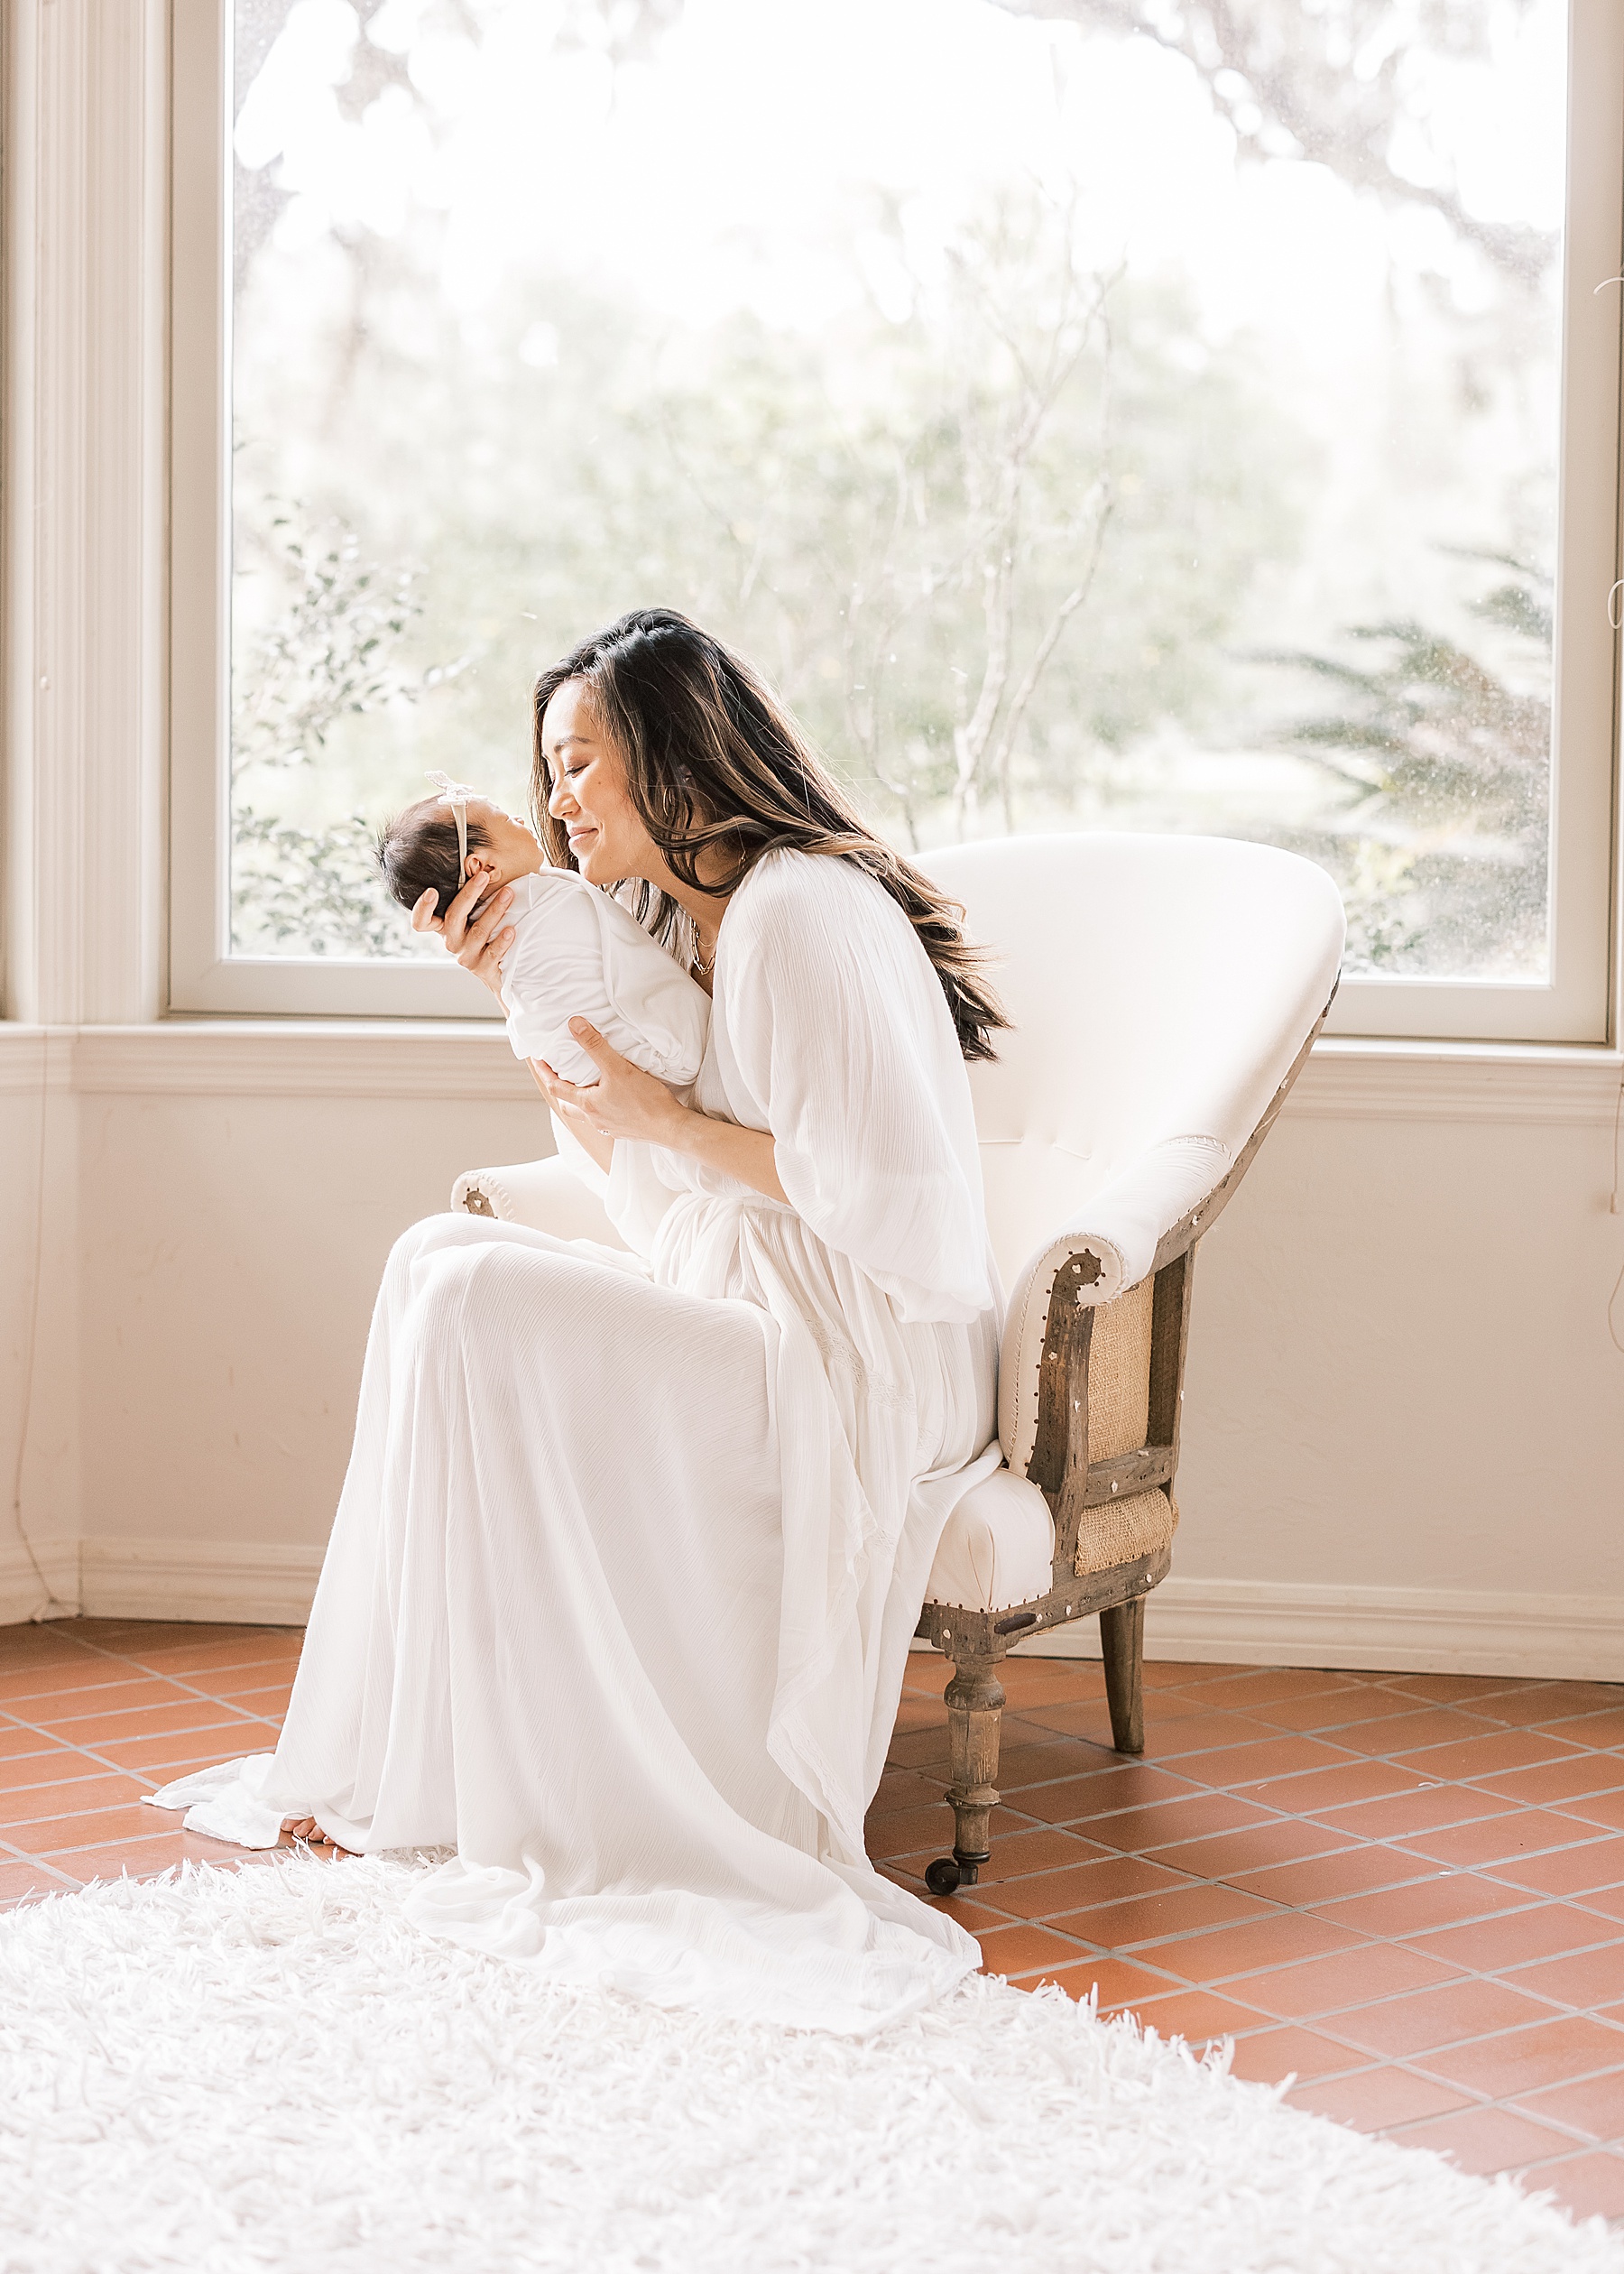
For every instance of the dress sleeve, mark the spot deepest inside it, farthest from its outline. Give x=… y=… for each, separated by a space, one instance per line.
x=841 y=1039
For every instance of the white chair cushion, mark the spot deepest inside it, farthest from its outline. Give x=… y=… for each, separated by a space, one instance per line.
x=998 y=1549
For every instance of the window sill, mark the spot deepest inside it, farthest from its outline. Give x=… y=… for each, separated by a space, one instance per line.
x=454 y=1059
x=1357 y=1078
x=1344 y=1079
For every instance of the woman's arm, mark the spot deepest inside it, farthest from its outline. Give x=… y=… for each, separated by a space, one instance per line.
x=625 y=1102
x=748 y=1154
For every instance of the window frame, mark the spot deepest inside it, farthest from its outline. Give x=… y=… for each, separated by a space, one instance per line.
x=1575 y=1006
x=203 y=977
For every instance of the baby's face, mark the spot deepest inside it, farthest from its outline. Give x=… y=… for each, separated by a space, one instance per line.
x=510 y=848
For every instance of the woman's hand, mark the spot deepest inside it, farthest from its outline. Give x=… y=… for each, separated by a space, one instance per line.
x=473 y=939
x=623 y=1102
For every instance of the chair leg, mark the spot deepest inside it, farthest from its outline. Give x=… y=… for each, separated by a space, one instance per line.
x=974 y=1706
x=1122 y=1647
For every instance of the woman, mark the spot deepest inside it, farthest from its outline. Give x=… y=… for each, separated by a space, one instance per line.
x=631 y=1545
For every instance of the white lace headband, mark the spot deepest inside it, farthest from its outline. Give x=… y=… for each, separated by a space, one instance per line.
x=456 y=794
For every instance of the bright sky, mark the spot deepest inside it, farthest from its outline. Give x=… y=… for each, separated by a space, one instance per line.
x=752 y=162
x=733 y=168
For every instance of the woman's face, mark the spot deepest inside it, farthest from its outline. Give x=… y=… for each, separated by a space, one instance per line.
x=588 y=792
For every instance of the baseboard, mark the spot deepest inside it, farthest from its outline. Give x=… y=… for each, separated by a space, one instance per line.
x=44 y=1585
x=1261 y=1622
x=242 y=1582
x=1395 y=1629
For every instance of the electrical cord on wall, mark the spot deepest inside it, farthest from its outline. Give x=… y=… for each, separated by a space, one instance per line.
x=53 y=1607
x=1614 y=1207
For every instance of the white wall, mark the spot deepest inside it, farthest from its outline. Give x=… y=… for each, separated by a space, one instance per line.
x=1404 y=1433
x=1405 y=1423
x=218 y=1211
x=1405 y=1415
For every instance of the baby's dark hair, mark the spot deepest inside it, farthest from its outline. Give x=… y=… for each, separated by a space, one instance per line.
x=419 y=849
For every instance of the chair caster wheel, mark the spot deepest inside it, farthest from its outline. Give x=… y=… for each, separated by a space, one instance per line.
x=943 y=1876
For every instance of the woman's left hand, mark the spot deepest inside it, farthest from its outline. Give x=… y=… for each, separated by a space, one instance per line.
x=623 y=1102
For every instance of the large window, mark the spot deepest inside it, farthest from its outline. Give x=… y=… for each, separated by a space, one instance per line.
x=1093 y=413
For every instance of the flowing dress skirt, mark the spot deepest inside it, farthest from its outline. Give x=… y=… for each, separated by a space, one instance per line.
x=548 y=1633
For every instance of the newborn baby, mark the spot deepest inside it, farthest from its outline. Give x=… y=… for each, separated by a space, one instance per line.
x=576 y=954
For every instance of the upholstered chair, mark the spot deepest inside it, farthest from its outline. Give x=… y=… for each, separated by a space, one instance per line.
x=1164 y=993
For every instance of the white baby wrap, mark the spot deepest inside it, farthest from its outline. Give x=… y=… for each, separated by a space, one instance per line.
x=576 y=954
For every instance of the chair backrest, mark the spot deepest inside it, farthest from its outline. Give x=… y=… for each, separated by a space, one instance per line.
x=1159 y=986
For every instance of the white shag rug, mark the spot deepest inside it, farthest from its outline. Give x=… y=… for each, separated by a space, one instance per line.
x=267 y=2068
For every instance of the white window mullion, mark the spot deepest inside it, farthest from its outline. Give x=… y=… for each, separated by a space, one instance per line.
x=87 y=264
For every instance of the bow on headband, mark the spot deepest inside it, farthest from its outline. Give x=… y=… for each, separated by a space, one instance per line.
x=456 y=794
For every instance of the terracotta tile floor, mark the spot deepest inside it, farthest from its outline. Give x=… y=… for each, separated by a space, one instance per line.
x=1408 y=1889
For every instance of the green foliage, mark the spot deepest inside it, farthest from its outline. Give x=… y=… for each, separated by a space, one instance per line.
x=1378 y=895
x=328 y=654
x=1001 y=543
x=1445 y=764
x=971 y=545
x=311 y=892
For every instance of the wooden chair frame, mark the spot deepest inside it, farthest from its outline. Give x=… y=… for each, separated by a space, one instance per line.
x=975 y=1641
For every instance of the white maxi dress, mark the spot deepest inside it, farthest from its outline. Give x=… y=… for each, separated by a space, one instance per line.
x=631 y=1545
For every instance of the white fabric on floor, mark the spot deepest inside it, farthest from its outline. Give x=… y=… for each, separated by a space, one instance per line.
x=631 y=1545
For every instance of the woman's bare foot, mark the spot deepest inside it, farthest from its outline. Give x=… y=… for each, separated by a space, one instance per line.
x=307 y=1829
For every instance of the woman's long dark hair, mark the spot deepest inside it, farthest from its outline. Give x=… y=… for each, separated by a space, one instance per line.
x=712 y=758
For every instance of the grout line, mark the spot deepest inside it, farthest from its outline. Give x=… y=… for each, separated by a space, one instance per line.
x=196 y=1697
x=154 y=1784
x=180 y=1681
x=1221 y=1984
x=1390 y=1942
x=25 y=1855
x=1366 y=2064
x=274 y=1674
x=1139 y=1958
x=119 y=1658
x=11 y=1853
x=1430 y=1870
x=236 y=1721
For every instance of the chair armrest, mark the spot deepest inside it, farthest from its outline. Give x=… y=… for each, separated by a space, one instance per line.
x=1114 y=1240
x=546 y=1195
x=1126 y=1222
x=1154 y=1211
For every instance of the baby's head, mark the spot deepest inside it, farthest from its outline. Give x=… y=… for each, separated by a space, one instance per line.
x=420 y=850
